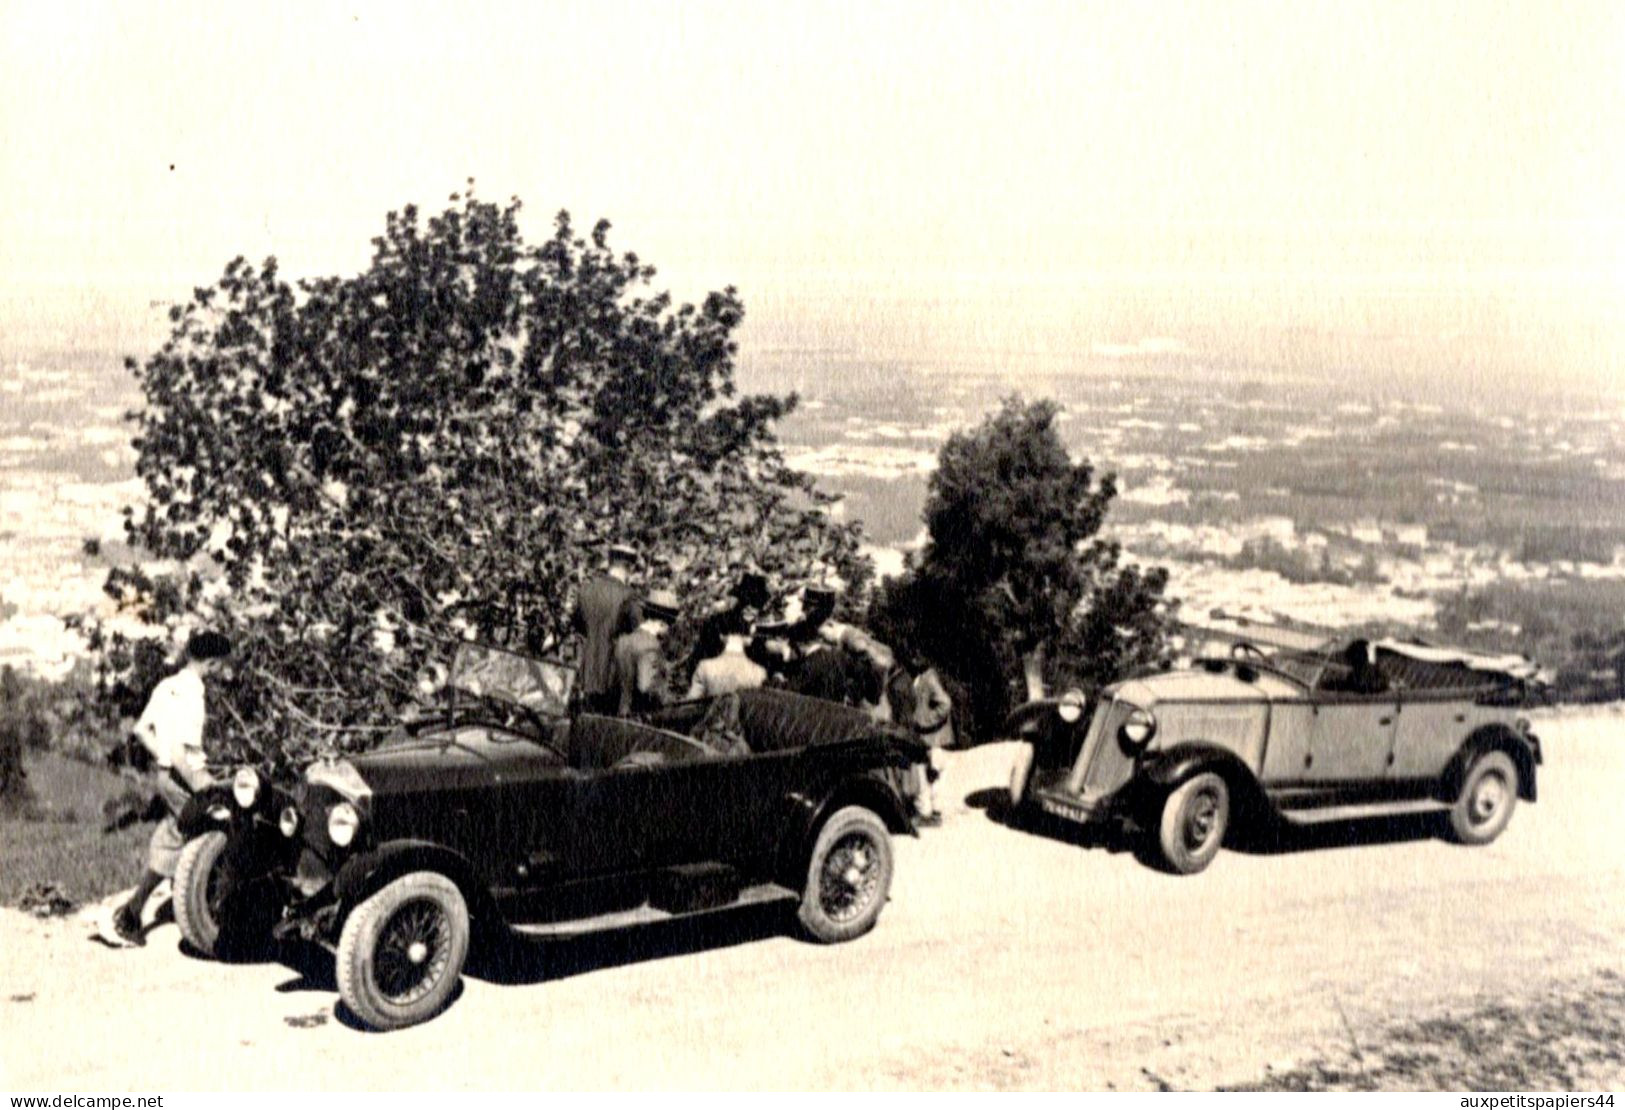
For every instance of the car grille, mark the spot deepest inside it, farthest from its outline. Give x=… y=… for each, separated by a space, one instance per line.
x=311 y=875
x=314 y=802
x=1104 y=767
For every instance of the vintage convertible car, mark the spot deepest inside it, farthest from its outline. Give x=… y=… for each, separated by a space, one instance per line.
x=1284 y=725
x=507 y=812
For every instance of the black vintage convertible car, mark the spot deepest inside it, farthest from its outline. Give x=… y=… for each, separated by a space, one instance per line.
x=507 y=811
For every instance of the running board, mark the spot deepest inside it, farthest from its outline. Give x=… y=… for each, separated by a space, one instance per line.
x=646 y=914
x=1364 y=809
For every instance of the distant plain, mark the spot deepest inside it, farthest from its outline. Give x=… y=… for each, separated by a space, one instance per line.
x=1322 y=497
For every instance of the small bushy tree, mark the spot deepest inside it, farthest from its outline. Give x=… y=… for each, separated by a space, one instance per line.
x=1015 y=588
x=348 y=474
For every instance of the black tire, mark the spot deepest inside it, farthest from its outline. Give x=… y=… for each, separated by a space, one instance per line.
x=1489 y=793
x=402 y=950
x=199 y=891
x=848 y=876
x=1195 y=818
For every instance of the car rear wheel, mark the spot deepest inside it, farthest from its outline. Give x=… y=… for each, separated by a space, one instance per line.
x=1195 y=817
x=848 y=876
x=401 y=951
x=200 y=888
x=1488 y=795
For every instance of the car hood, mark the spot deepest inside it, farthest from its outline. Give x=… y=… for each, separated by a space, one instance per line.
x=1200 y=684
x=430 y=762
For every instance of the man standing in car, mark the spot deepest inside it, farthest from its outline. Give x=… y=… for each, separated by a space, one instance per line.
x=606 y=607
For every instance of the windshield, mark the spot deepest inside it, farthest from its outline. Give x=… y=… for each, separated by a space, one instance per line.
x=1301 y=665
x=539 y=685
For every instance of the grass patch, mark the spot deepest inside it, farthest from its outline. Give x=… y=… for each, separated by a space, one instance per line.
x=57 y=836
x=1571 y=1038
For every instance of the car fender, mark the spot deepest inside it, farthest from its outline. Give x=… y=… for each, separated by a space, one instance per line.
x=1161 y=771
x=201 y=813
x=1496 y=737
x=255 y=849
x=364 y=875
x=805 y=811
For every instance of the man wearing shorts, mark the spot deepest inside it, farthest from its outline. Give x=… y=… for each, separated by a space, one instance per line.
x=171 y=729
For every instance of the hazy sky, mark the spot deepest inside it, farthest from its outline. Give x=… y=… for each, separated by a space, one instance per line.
x=1432 y=187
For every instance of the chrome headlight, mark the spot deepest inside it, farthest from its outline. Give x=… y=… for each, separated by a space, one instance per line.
x=245 y=787
x=1071 y=707
x=342 y=823
x=1140 y=727
x=288 y=821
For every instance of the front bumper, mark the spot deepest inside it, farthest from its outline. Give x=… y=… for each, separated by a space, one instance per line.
x=312 y=924
x=1068 y=807
x=310 y=902
x=1048 y=794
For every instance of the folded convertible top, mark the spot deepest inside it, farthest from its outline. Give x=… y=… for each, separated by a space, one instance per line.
x=1513 y=666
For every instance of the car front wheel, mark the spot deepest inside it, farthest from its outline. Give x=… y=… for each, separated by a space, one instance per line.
x=1488 y=795
x=848 y=876
x=401 y=951
x=200 y=887
x=1195 y=817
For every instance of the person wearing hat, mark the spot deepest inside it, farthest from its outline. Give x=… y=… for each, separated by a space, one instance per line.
x=816 y=667
x=837 y=661
x=606 y=607
x=730 y=670
x=640 y=665
x=928 y=710
x=170 y=729
x=750 y=596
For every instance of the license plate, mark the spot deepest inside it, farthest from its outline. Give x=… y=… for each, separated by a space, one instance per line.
x=1064 y=809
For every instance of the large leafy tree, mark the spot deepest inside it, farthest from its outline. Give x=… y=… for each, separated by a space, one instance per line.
x=1016 y=589
x=347 y=474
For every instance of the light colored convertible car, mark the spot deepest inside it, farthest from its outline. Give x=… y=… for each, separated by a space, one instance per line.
x=1284 y=725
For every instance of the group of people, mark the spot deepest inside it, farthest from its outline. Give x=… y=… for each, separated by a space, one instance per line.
x=624 y=670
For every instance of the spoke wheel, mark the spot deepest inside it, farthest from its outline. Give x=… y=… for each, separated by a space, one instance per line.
x=1489 y=793
x=848 y=876
x=413 y=949
x=851 y=877
x=1195 y=818
x=401 y=951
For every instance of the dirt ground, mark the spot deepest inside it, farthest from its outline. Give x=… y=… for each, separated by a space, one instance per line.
x=1006 y=959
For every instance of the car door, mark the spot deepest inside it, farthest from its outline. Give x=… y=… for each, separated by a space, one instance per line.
x=717 y=808
x=1351 y=737
x=534 y=819
x=1432 y=725
x=641 y=818
x=743 y=824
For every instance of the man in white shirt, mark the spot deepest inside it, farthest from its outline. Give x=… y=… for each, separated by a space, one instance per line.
x=171 y=729
x=729 y=672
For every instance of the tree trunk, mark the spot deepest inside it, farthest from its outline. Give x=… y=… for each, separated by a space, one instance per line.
x=1032 y=669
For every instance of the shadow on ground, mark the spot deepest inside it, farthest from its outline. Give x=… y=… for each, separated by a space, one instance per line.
x=507 y=959
x=1263 y=837
x=1280 y=837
